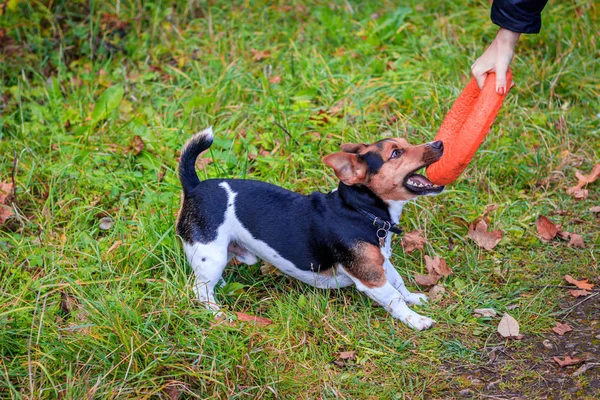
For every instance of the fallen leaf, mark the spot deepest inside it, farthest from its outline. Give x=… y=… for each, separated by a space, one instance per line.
x=595 y=209
x=509 y=327
x=426 y=280
x=589 y=178
x=546 y=228
x=582 y=284
x=137 y=145
x=258 y=55
x=5 y=192
x=568 y=361
x=337 y=108
x=578 y=191
x=576 y=241
x=564 y=235
x=437 y=265
x=260 y=321
x=202 y=162
x=161 y=174
x=489 y=209
x=436 y=268
x=436 y=292
x=478 y=231
x=484 y=312
x=105 y=223
x=561 y=329
x=347 y=355
x=412 y=241
x=579 y=293
x=275 y=79
x=173 y=390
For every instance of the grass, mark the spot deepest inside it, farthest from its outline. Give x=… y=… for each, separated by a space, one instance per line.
x=91 y=313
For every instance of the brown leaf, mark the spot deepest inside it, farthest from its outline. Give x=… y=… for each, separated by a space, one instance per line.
x=137 y=145
x=437 y=265
x=201 y=162
x=412 y=241
x=478 y=231
x=436 y=293
x=6 y=190
x=337 y=108
x=568 y=361
x=260 y=321
x=576 y=241
x=509 y=327
x=436 y=268
x=258 y=55
x=489 y=209
x=561 y=329
x=426 y=280
x=347 y=355
x=579 y=293
x=161 y=174
x=564 y=235
x=595 y=209
x=546 y=228
x=589 y=178
x=275 y=79
x=173 y=390
x=582 y=284
x=578 y=191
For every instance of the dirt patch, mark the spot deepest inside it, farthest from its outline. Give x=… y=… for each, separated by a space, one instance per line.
x=528 y=371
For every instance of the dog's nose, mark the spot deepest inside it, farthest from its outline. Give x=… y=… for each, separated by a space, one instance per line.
x=437 y=145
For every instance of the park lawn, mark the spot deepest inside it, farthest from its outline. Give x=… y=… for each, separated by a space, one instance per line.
x=90 y=312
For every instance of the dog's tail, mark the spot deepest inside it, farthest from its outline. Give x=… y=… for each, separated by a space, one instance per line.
x=200 y=142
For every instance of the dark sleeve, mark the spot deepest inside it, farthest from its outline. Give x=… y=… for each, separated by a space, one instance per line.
x=522 y=16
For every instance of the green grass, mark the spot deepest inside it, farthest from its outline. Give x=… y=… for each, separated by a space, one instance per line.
x=127 y=325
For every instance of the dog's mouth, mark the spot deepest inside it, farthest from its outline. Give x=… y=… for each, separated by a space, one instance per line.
x=420 y=185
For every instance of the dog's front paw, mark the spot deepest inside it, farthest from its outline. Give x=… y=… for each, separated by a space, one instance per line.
x=416 y=299
x=418 y=322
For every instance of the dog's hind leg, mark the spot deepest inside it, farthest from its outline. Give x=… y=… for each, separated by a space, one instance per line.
x=208 y=262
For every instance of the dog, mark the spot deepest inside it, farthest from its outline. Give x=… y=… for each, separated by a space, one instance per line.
x=330 y=240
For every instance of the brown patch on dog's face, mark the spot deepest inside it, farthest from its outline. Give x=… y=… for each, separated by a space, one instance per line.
x=367 y=265
x=387 y=167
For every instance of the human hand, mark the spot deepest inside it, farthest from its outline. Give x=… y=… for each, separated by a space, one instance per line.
x=496 y=59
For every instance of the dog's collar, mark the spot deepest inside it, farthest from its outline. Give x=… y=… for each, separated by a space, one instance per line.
x=384 y=226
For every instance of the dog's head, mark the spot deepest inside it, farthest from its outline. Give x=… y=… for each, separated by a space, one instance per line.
x=387 y=167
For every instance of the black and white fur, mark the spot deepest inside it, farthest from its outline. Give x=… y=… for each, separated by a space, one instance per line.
x=320 y=239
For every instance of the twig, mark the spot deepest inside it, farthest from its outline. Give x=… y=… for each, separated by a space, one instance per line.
x=13 y=194
x=584 y=368
x=570 y=309
x=287 y=133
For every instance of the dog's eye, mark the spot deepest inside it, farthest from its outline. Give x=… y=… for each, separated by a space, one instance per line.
x=396 y=153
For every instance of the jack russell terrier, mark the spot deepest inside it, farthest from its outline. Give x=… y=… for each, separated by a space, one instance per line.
x=328 y=240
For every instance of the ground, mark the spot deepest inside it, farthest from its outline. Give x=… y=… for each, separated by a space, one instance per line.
x=96 y=101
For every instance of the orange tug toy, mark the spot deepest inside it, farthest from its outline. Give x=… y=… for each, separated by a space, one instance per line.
x=465 y=127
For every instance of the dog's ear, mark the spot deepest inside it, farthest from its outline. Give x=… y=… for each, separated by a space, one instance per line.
x=348 y=167
x=352 y=147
